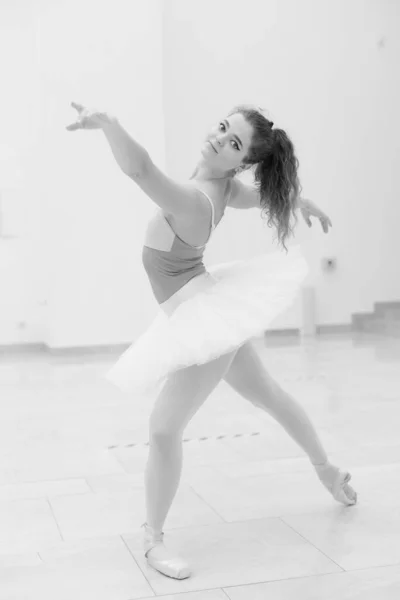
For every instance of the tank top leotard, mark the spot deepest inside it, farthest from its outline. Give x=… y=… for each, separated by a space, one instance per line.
x=168 y=271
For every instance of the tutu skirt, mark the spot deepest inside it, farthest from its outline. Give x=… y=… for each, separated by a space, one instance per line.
x=233 y=303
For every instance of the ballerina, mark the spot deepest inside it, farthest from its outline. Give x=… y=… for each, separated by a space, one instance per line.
x=209 y=318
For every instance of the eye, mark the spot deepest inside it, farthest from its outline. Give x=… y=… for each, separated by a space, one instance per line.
x=224 y=129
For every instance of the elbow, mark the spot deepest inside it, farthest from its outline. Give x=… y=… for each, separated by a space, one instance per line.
x=136 y=175
x=140 y=170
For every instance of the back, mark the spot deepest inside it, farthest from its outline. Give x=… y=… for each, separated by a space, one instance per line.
x=169 y=261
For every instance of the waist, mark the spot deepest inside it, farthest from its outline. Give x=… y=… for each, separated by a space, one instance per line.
x=199 y=283
x=168 y=273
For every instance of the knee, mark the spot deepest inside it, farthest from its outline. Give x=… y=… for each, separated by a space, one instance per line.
x=265 y=396
x=163 y=436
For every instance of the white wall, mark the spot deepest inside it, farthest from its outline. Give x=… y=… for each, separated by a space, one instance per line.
x=328 y=73
x=72 y=275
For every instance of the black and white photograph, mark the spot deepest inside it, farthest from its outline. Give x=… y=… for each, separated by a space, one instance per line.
x=199 y=300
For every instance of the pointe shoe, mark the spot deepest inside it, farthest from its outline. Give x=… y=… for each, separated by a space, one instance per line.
x=159 y=558
x=337 y=483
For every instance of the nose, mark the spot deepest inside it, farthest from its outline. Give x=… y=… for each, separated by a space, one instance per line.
x=219 y=141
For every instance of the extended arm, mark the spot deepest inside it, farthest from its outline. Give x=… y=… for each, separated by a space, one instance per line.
x=132 y=158
x=173 y=197
x=180 y=199
x=301 y=202
x=246 y=196
x=309 y=209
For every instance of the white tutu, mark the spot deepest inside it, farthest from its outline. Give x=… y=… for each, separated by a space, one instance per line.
x=243 y=299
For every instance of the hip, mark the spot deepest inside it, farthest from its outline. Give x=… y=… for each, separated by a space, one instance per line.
x=199 y=283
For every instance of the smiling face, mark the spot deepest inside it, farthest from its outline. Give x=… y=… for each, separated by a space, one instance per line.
x=227 y=144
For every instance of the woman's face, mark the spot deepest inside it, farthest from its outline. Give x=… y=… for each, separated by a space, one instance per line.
x=227 y=143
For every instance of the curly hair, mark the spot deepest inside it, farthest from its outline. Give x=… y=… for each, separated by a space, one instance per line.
x=276 y=171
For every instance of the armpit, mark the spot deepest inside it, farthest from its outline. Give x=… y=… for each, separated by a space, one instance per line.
x=243 y=196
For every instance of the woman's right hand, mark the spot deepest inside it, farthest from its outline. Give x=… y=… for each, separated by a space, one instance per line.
x=309 y=209
x=89 y=118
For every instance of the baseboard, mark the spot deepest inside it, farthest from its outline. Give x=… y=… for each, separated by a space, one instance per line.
x=334 y=328
x=381 y=307
x=22 y=348
x=85 y=350
x=108 y=349
x=281 y=332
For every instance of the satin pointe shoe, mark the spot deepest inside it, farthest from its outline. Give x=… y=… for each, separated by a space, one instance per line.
x=337 y=483
x=159 y=558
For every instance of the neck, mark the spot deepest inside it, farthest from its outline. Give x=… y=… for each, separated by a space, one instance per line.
x=202 y=173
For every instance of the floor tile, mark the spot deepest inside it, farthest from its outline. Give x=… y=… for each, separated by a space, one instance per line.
x=117 y=512
x=370 y=584
x=235 y=553
x=249 y=514
x=101 y=569
x=354 y=538
x=25 y=524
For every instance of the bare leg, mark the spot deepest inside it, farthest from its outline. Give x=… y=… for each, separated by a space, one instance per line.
x=181 y=397
x=248 y=376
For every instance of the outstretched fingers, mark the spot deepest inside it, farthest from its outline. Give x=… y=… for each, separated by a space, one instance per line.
x=74 y=126
x=79 y=123
x=350 y=495
x=78 y=107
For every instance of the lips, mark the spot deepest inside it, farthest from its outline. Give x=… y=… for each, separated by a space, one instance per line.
x=212 y=147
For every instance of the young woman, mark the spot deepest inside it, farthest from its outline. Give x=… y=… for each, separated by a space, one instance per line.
x=208 y=318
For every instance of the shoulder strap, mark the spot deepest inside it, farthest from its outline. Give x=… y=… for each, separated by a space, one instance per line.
x=212 y=209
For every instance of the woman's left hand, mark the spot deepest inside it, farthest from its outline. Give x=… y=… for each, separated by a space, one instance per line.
x=89 y=118
x=308 y=209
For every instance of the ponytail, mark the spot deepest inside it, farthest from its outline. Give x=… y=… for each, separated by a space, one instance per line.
x=278 y=184
x=276 y=171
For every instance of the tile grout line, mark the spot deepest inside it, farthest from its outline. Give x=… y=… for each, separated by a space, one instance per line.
x=55 y=519
x=137 y=564
x=223 y=521
x=282 y=519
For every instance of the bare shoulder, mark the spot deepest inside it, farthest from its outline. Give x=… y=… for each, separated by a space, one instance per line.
x=243 y=196
x=196 y=231
x=180 y=199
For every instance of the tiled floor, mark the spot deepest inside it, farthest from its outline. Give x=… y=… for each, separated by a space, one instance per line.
x=250 y=515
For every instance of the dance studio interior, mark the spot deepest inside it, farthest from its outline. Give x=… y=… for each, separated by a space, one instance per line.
x=86 y=463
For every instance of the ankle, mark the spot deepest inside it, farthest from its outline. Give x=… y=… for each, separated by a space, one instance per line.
x=321 y=464
x=155 y=532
